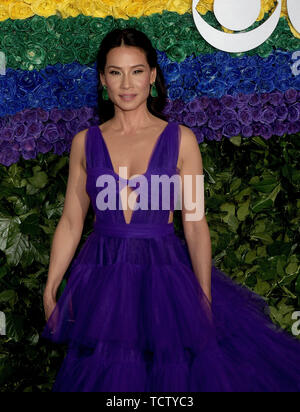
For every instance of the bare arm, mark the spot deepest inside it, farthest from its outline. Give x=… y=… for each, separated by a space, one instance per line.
x=196 y=231
x=69 y=229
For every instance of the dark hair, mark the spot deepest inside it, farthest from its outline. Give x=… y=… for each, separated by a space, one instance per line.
x=130 y=37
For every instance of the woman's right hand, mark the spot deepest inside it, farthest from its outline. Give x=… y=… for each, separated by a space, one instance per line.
x=49 y=305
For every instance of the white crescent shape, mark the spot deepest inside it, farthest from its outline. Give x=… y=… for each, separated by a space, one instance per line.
x=293 y=7
x=238 y=42
x=237 y=15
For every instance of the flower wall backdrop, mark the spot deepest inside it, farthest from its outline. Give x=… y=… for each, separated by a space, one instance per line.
x=243 y=108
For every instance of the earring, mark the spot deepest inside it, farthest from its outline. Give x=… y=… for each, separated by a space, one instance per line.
x=105 y=93
x=154 y=92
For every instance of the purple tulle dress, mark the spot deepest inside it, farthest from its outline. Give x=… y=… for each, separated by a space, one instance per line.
x=133 y=314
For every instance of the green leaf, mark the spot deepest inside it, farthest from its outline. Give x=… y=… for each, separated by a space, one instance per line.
x=8 y=296
x=243 y=211
x=250 y=257
x=262 y=287
x=15 y=327
x=264 y=237
x=267 y=185
x=19 y=244
x=237 y=140
x=262 y=205
x=8 y=227
x=292 y=268
x=39 y=179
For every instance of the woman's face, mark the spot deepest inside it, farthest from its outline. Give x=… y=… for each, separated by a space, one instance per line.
x=128 y=77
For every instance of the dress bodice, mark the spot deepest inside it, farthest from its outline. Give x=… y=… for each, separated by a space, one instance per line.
x=154 y=193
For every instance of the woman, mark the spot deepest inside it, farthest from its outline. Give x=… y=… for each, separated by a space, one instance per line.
x=141 y=311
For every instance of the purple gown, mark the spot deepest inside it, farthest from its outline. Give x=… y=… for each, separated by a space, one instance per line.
x=135 y=318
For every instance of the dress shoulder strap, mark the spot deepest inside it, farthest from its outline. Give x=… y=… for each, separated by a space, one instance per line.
x=167 y=156
x=94 y=149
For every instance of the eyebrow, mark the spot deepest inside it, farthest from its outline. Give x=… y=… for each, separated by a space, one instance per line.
x=137 y=65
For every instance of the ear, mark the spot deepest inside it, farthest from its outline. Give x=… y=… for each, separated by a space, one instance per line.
x=102 y=79
x=153 y=75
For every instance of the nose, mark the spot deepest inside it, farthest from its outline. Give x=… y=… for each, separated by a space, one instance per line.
x=126 y=81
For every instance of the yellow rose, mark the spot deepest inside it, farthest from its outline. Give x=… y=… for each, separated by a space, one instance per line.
x=180 y=6
x=204 y=6
x=110 y=3
x=102 y=10
x=119 y=13
x=4 y=13
x=86 y=7
x=67 y=8
x=45 y=8
x=155 y=6
x=134 y=8
x=17 y=10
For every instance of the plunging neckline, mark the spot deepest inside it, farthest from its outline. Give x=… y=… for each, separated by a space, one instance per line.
x=149 y=162
x=137 y=175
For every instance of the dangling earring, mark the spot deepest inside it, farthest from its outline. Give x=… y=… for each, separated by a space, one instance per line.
x=154 y=92
x=105 y=93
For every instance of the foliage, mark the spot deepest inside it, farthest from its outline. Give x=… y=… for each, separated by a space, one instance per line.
x=252 y=206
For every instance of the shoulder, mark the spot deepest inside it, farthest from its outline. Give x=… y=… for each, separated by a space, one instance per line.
x=78 y=147
x=188 y=137
x=188 y=141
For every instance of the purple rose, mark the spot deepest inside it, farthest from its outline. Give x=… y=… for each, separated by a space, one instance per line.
x=28 y=148
x=194 y=106
x=279 y=128
x=294 y=113
x=30 y=115
x=59 y=148
x=20 y=132
x=229 y=115
x=255 y=100
x=266 y=131
x=8 y=156
x=216 y=122
x=276 y=98
x=245 y=117
x=68 y=115
x=268 y=115
x=43 y=146
x=290 y=96
x=208 y=133
x=42 y=115
x=51 y=133
x=293 y=128
x=35 y=130
x=204 y=102
x=247 y=131
x=282 y=112
x=231 y=129
x=190 y=119
x=7 y=134
x=265 y=98
x=243 y=100
x=228 y=101
x=215 y=104
x=201 y=118
x=55 y=115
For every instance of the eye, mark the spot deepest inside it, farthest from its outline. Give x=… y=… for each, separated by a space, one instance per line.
x=138 y=71
x=113 y=71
